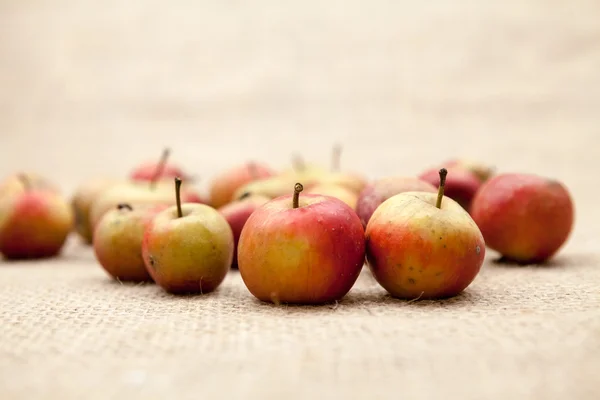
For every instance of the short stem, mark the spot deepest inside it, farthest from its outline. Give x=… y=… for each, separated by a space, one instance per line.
x=124 y=206
x=178 y=197
x=336 y=156
x=298 y=163
x=25 y=181
x=160 y=167
x=443 y=173
x=245 y=195
x=297 y=189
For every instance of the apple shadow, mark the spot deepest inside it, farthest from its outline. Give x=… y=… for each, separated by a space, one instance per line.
x=558 y=262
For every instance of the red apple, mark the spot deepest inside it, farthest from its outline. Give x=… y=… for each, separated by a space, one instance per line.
x=188 y=248
x=423 y=245
x=15 y=183
x=481 y=170
x=34 y=223
x=152 y=171
x=118 y=241
x=461 y=184
x=226 y=184
x=305 y=250
x=237 y=213
x=382 y=189
x=525 y=217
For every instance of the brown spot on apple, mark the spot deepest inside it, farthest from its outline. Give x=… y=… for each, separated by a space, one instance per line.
x=411 y=281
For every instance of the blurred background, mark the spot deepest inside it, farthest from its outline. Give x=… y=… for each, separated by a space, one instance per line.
x=92 y=88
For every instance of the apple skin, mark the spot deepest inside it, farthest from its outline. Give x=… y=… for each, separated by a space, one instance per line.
x=481 y=170
x=118 y=239
x=339 y=192
x=237 y=213
x=191 y=254
x=145 y=172
x=225 y=184
x=13 y=184
x=525 y=217
x=312 y=254
x=81 y=203
x=382 y=189
x=416 y=250
x=461 y=184
x=271 y=187
x=34 y=224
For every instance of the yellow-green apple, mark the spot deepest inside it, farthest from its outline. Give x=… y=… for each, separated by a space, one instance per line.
x=152 y=171
x=188 y=248
x=272 y=187
x=340 y=192
x=118 y=239
x=135 y=194
x=305 y=249
x=34 y=223
x=525 y=217
x=461 y=184
x=423 y=245
x=225 y=185
x=14 y=183
x=81 y=203
x=481 y=170
x=382 y=189
x=237 y=213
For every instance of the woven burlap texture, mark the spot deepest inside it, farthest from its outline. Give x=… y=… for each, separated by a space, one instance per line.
x=92 y=88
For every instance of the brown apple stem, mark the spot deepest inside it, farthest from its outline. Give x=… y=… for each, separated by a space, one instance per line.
x=245 y=195
x=125 y=206
x=443 y=173
x=25 y=181
x=160 y=167
x=253 y=170
x=178 y=196
x=336 y=156
x=298 y=163
x=297 y=189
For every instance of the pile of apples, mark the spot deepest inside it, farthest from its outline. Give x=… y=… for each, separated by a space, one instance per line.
x=300 y=235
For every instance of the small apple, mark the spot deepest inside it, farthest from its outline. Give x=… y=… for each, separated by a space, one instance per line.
x=226 y=184
x=14 y=183
x=81 y=203
x=237 y=213
x=481 y=170
x=339 y=192
x=526 y=218
x=152 y=171
x=461 y=184
x=306 y=250
x=188 y=248
x=382 y=189
x=136 y=193
x=34 y=223
x=118 y=241
x=423 y=245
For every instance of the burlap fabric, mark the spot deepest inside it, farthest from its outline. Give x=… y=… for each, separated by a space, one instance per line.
x=92 y=88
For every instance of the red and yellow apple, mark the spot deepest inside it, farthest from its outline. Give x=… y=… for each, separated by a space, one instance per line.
x=224 y=186
x=526 y=218
x=339 y=192
x=301 y=249
x=152 y=171
x=461 y=184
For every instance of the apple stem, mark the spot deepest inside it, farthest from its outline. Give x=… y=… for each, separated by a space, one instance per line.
x=125 y=206
x=298 y=163
x=245 y=195
x=25 y=181
x=297 y=189
x=178 y=196
x=443 y=173
x=160 y=167
x=336 y=156
x=253 y=170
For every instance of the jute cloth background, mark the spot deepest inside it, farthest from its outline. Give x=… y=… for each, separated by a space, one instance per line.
x=91 y=88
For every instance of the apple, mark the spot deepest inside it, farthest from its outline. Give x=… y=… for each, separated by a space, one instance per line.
x=481 y=170
x=118 y=238
x=14 y=183
x=34 y=223
x=525 y=217
x=340 y=192
x=461 y=184
x=237 y=213
x=272 y=187
x=423 y=245
x=152 y=171
x=225 y=185
x=136 y=193
x=382 y=189
x=188 y=248
x=81 y=203
x=302 y=250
